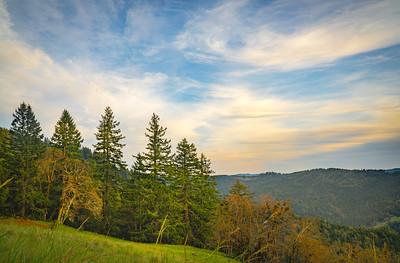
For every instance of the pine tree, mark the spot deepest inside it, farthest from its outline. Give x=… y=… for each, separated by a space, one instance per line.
x=186 y=164
x=158 y=155
x=139 y=196
x=158 y=163
x=108 y=154
x=5 y=168
x=139 y=167
x=27 y=148
x=205 y=200
x=195 y=191
x=240 y=189
x=86 y=153
x=5 y=154
x=66 y=136
x=152 y=196
x=108 y=149
x=205 y=166
x=150 y=177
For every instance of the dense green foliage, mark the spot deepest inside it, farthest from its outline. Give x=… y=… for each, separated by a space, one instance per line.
x=171 y=197
x=194 y=192
x=108 y=154
x=363 y=237
x=27 y=147
x=150 y=189
x=158 y=157
x=23 y=241
x=5 y=166
x=350 y=197
x=164 y=197
x=66 y=136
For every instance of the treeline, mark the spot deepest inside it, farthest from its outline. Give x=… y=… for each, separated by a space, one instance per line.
x=166 y=196
x=345 y=197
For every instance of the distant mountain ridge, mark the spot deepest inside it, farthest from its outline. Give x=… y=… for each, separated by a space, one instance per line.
x=390 y=171
x=351 y=197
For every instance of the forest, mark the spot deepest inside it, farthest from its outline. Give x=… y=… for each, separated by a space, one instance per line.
x=347 y=197
x=168 y=196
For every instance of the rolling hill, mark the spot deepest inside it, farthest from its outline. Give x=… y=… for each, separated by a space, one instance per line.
x=348 y=197
x=34 y=241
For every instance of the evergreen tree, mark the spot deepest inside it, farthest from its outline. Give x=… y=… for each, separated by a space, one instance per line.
x=205 y=166
x=108 y=154
x=66 y=136
x=158 y=155
x=156 y=194
x=195 y=191
x=153 y=198
x=5 y=154
x=139 y=200
x=5 y=168
x=139 y=167
x=240 y=189
x=27 y=148
x=86 y=153
x=205 y=201
x=186 y=164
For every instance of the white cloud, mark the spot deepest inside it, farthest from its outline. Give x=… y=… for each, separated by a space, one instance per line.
x=239 y=129
x=227 y=33
x=236 y=127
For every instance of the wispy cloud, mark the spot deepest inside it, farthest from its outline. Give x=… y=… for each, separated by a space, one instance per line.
x=229 y=32
x=242 y=125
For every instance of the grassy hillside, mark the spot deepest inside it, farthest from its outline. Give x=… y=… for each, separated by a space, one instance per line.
x=34 y=241
x=350 y=197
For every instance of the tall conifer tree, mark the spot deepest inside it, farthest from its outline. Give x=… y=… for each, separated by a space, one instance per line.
x=151 y=173
x=108 y=153
x=186 y=164
x=27 y=147
x=205 y=166
x=196 y=192
x=66 y=136
x=158 y=155
x=138 y=200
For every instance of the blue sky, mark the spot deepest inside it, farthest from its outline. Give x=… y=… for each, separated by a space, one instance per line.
x=256 y=85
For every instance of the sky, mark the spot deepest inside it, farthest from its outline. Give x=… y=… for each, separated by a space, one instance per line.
x=256 y=85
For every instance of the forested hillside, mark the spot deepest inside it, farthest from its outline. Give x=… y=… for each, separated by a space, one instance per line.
x=169 y=196
x=350 y=197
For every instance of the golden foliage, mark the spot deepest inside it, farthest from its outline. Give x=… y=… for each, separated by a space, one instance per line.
x=267 y=231
x=78 y=189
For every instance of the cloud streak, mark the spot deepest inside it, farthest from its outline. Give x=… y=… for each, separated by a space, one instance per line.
x=243 y=126
x=227 y=33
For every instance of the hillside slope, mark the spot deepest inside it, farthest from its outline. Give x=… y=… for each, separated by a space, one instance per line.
x=34 y=241
x=349 y=197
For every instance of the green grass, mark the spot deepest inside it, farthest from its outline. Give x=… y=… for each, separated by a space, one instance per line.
x=34 y=241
